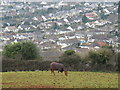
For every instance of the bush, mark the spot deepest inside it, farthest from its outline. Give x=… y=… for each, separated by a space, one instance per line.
x=84 y=19
x=101 y=60
x=21 y=50
x=22 y=65
x=71 y=59
x=69 y=52
x=102 y=56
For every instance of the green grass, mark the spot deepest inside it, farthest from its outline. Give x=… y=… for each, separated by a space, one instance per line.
x=44 y=79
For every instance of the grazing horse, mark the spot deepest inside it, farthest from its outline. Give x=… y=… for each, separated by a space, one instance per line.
x=57 y=66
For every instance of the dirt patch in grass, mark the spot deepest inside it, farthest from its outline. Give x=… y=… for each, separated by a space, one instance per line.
x=41 y=86
x=32 y=86
x=8 y=83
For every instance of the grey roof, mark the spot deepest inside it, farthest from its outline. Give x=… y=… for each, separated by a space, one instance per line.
x=112 y=17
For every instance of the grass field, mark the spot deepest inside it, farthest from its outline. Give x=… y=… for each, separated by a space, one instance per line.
x=44 y=79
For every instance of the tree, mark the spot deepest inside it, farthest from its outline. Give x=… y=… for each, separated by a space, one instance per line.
x=84 y=19
x=101 y=56
x=66 y=25
x=70 y=58
x=103 y=16
x=69 y=52
x=99 y=7
x=22 y=50
x=55 y=26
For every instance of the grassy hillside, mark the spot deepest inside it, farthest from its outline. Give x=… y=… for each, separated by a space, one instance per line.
x=44 y=79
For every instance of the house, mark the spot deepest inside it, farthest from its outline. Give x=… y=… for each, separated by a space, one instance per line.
x=62 y=45
x=88 y=17
x=35 y=18
x=100 y=44
x=106 y=11
x=61 y=3
x=70 y=41
x=44 y=18
x=38 y=18
x=99 y=36
x=43 y=3
x=48 y=45
x=20 y=28
x=91 y=40
x=66 y=20
x=80 y=27
x=25 y=27
x=64 y=31
x=86 y=47
x=70 y=28
x=61 y=38
x=11 y=29
x=90 y=24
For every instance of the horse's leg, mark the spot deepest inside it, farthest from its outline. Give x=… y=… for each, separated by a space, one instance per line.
x=66 y=73
x=52 y=71
x=58 y=71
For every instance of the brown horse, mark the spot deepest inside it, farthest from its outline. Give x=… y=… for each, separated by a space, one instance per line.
x=57 y=66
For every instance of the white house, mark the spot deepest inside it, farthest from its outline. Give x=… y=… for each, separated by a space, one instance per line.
x=70 y=28
x=44 y=18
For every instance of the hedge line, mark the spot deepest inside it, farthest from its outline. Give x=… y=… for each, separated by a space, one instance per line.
x=33 y=65
x=30 y=65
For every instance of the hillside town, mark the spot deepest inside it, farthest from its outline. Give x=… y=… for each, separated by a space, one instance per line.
x=59 y=26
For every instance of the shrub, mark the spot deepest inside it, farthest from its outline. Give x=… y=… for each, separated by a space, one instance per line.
x=69 y=52
x=22 y=50
x=101 y=56
x=71 y=59
x=22 y=65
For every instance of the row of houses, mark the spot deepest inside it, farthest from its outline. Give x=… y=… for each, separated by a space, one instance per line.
x=63 y=29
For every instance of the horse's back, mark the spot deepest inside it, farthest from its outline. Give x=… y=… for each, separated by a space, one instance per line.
x=55 y=65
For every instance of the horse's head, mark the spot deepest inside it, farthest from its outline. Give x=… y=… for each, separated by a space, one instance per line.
x=61 y=70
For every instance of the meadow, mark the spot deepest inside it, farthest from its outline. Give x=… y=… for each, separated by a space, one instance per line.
x=44 y=79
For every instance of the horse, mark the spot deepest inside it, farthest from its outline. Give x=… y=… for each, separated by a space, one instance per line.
x=59 y=67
